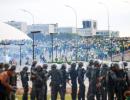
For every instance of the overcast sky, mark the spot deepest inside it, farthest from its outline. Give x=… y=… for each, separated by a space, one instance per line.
x=54 y=11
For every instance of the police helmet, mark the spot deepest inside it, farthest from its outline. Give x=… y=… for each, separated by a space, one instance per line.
x=6 y=66
x=54 y=66
x=45 y=66
x=91 y=62
x=80 y=64
x=25 y=68
x=12 y=68
x=73 y=65
x=104 y=65
x=63 y=66
x=38 y=68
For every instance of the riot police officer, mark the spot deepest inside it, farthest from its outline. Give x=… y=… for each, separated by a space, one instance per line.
x=89 y=69
x=94 y=86
x=73 y=76
x=103 y=77
x=55 y=83
x=45 y=72
x=38 y=82
x=122 y=81
x=111 y=83
x=33 y=71
x=25 y=79
x=81 y=73
x=65 y=79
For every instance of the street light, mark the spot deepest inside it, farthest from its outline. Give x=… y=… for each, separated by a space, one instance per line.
x=33 y=45
x=33 y=32
x=75 y=13
x=52 y=40
x=108 y=22
x=56 y=53
x=20 y=45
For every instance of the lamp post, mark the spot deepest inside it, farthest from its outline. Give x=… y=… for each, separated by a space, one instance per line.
x=75 y=13
x=52 y=46
x=108 y=22
x=33 y=32
x=33 y=45
x=20 y=54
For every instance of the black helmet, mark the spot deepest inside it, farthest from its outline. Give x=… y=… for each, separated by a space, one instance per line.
x=54 y=66
x=34 y=63
x=12 y=68
x=125 y=63
x=63 y=66
x=25 y=68
x=45 y=66
x=80 y=64
x=73 y=65
x=38 y=68
x=91 y=62
x=96 y=62
x=104 y=65
x=6 y=66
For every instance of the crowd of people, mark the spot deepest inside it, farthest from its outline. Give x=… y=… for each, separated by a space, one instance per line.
x=64 y=48
x=106 y=82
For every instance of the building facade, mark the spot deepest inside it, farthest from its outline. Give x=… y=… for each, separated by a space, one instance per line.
x=43 y=28
x=19 y=25
x=107 y=33
x=66 y=30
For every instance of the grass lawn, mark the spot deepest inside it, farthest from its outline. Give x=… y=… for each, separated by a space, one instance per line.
x=68 y=97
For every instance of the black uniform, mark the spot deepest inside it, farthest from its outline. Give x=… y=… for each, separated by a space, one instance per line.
x=89 y=71
x=111 y=84
x=45 y=72
x=25 y=79
x=73 y=76
x=38 y=83
x=81 y=73
x=94 y=90
x=122 y=84
x=56 y=81
x=65 y=78
x=33 y=71
x=103 y=74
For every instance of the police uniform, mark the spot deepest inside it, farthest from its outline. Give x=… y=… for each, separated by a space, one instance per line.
x=56 y=81
x=73 y=76
x=81 y=73
x=65 y=78
x=25 y=79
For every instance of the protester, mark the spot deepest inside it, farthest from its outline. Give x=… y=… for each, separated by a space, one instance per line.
x=5 y=87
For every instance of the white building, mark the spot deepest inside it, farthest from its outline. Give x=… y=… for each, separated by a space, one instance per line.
x=66 y=30
x=19 y=25
x=89 y=28
x=43 y=28
x=107 y=34
x=84 y=32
